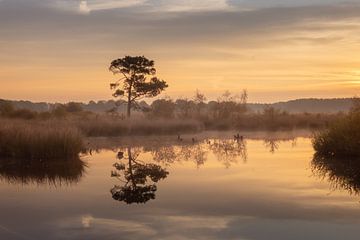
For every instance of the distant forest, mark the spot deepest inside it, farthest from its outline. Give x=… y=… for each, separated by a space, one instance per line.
x=310 y=105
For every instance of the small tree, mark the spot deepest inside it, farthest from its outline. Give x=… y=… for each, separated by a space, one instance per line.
x=134 y=83
x=199 y=100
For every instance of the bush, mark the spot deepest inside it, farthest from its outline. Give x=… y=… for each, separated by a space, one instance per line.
x=341 y=139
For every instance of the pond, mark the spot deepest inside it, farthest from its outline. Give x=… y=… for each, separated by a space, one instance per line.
x=261 y=186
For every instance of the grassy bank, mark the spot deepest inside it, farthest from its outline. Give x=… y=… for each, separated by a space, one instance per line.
x=341 y=139
x=62 y=137
x=39 y=140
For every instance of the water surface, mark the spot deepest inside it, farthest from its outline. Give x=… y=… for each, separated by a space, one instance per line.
x=213 y=188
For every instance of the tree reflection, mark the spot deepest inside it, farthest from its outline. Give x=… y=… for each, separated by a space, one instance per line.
x=54 y=172
x=135 y=176
x=228 y=151
x=170 y=154
x=272 y=144
x=165 y=154
x=342 y=173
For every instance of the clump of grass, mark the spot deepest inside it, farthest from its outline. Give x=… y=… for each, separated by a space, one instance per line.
x=341 y=139
x=39 y=141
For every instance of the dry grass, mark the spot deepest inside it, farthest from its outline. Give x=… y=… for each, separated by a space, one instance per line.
x=39 y=140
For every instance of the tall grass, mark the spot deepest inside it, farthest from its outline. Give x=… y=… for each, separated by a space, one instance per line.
x=341 y=139
x=39 y=141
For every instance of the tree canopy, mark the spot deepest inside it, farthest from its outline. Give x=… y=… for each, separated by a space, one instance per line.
x=137 y=80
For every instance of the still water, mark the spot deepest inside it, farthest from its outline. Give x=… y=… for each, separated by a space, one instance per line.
x=215 y=187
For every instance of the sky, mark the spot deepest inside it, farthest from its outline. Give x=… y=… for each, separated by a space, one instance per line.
x=60 y=50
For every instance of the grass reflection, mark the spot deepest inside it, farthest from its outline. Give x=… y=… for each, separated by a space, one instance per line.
x=55 y=173
x=342 y=173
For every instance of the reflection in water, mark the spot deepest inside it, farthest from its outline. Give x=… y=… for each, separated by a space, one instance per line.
x=55 y=172
x=341 y=173
x=227 y=151
x=196 y=153
x=166 y=155
x=139 y=179
x=273 y=143
x=135 y=176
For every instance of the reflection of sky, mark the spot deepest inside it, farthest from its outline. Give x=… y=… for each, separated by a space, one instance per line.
x=271 y=196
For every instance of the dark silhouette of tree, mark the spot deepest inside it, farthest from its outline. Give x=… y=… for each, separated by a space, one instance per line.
x=163 y=108
x=199 y=100
x=134 y=83
x=185 y=107
x=6 y=108
x=135 y=175
x=73 y=107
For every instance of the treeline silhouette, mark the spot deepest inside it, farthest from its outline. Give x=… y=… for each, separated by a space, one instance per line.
x=311 y=105
x=168 y=116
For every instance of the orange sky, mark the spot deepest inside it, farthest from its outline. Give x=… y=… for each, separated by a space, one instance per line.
x=60 y=50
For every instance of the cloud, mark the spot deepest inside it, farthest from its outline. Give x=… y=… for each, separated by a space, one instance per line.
x=83 y=7
x=188 y=5
x=94 y=5
x=87 y=6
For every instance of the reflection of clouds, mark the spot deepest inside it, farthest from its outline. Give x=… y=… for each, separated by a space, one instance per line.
x=207 y=227
x=86 y=221
x=93 y=227
x=146 y=227
x=285 y=229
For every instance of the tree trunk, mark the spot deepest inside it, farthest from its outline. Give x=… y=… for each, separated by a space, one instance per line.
x=128 y=108
x=129 y=102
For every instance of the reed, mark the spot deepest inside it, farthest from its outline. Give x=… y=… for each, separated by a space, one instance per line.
x=39 y=140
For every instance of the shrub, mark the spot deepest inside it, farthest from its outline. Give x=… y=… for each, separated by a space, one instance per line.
x=341 y=139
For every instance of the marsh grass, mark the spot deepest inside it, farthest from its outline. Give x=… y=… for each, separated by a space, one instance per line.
x=341 y=139
x=39 y=140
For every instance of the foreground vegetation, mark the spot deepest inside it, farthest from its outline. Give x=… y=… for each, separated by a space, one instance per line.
x=59 y=132
x=342 y=138
x=39 y=141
